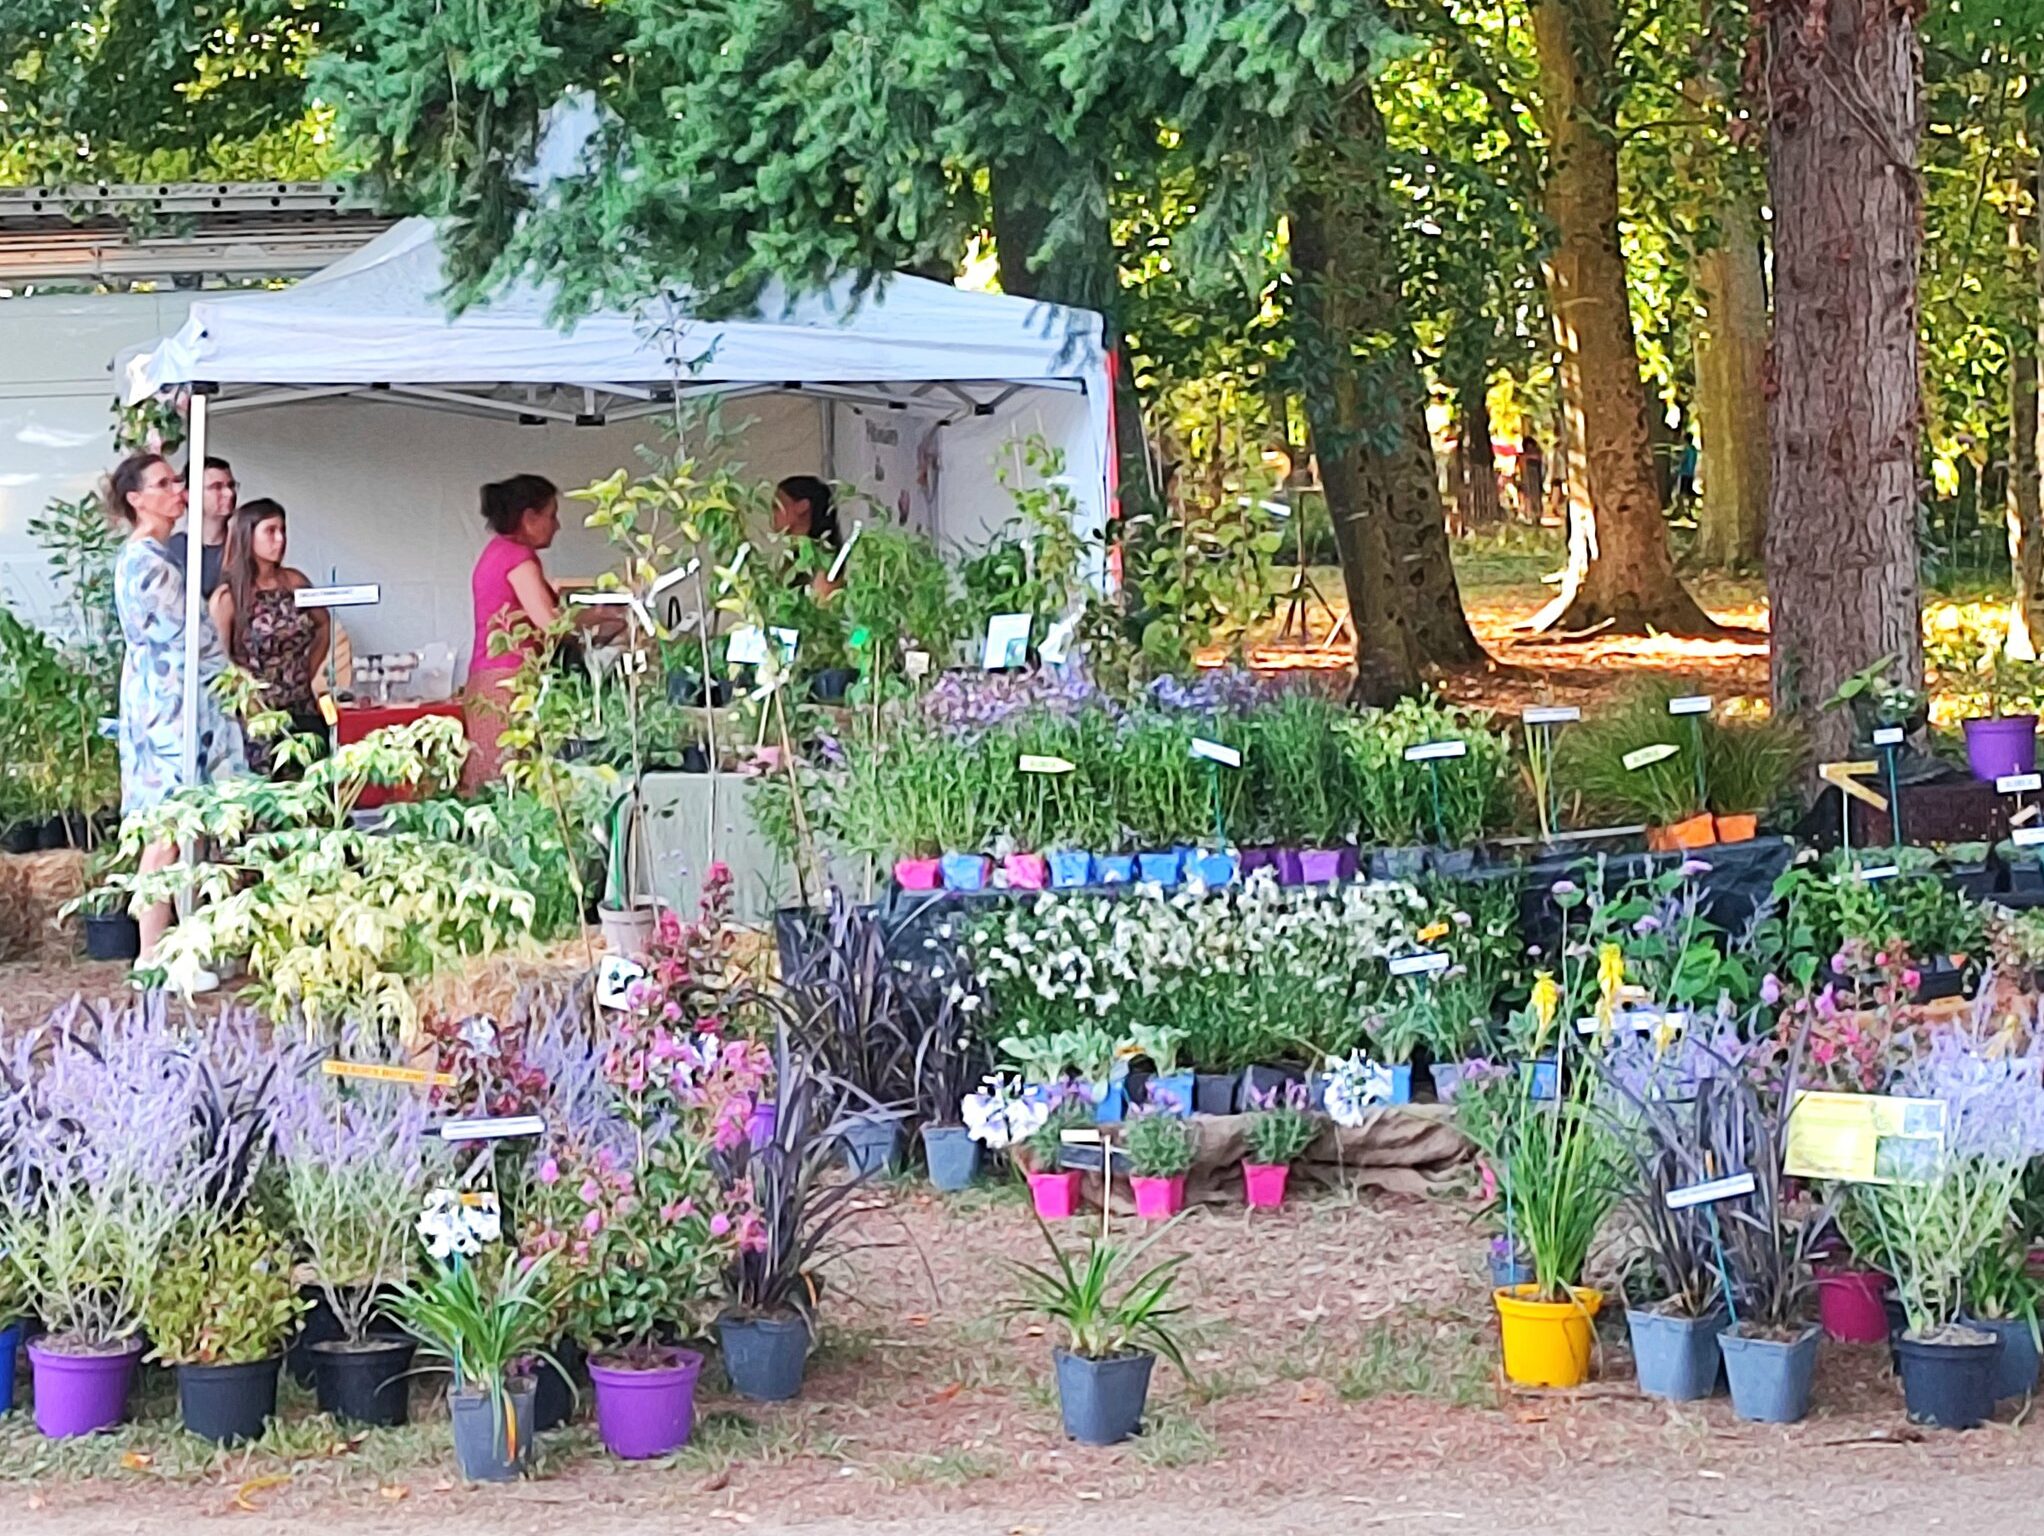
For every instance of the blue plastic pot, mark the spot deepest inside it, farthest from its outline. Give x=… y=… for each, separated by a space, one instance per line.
x=1163 y=868
x=1115 y=868
x=964 y=871
x=1770 y=1379
x=1069 y=868
x=1215 y=869
x=1110 y=1105
x=1401 y=1083
x=953 y=1156
x=1179 y=1086
x=10 y=1347
x=1545 y=1075
x=1676 y=1358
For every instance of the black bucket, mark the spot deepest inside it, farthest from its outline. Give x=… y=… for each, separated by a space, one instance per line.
x=365 y=1383
x=112 y=936
x=764 y=1357
x=228 y=1404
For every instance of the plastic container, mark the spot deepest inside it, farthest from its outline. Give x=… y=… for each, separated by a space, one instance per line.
x=228 y=1404
x=1547 y=1343
x=765 y=1358
x=1055 y=1195
x=919 y=874
x=1948 y=1385
x=1676 y=1358
x=953 y=1156
x=1102 y=1401
x=641 y=1414
x=1770 y=1378
x=81 y=1394
x=1851 y=1305
x=1263 y=1185
x=1159 y=1199
x=2001 y=745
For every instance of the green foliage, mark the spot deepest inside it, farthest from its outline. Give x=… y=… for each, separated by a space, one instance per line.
x=1450 y=802
x=1159 y=1146
x=1071 y=1112
x=1818 y=905
x=81 y=542
x=1103 y=1306
x=482 y=1318
x=53 y=759
x=1280 y=1134
x=224 y=1296
x=897 y=590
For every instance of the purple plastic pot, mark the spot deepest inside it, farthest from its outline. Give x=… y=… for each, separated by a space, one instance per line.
x=2001 y=745
x=1254 y=859
x=1317 y=866
x=643 y=1414
x=81 y=1394
x=1291 y=867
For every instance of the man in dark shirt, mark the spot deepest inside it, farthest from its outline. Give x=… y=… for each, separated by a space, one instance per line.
x=221 y=493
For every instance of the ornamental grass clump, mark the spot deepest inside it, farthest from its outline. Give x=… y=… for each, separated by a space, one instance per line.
x=1280 y=1126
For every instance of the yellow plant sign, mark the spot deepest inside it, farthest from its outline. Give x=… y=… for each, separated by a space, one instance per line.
x=1863 y=1138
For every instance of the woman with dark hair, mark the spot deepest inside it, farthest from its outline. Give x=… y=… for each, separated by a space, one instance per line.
x=805 y=508
x=256 y=608
x=145 y=493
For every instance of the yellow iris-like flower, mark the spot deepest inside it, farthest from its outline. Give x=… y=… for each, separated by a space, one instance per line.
x=1610 y=978
x=1433 y=931
x=1546 y=999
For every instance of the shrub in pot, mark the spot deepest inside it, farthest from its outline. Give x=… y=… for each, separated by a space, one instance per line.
x=1116 y=1322
x=1053 y=1188
x=1278 y=1133
x=357 y=1165
x=948 y=1062
x=487 y=1314
x=1160 y=1148
x=2002 y=1297
x=220 y=1311
x=1171 y=1082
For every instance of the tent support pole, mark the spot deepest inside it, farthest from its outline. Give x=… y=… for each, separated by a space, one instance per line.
x=194 y=574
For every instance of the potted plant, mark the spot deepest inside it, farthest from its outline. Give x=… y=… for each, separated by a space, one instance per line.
x=2001 y=1297
x=948 y=1063
x=1160 y=1148
x=357 y=1162
x=1395 y=1030
x=1169 y=1083
x=1116 y=1322
x=1635 y=762
x=1053 y=1188
x=221 y=1310
x=1748 y=766
x=791 y=1233
x=1998 y=743
x=487 y=1316
x=1277 y=1135
x=628 y=919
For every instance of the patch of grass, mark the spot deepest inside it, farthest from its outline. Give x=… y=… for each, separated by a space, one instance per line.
x=952 y=1468
x=1172 y=1439
x=724 y=1440
x=1224 y=1379
x=847 y=1345
x=1451 y=1366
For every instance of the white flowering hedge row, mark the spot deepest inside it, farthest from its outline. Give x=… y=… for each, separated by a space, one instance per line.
x=1253 y=972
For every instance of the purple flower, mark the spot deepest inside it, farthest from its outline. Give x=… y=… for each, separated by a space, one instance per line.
x=1564 y=888
x=1646 y=925
x=1770 y=989
x=1691 y=868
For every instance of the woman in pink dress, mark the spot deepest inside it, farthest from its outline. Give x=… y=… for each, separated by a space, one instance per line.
x=514 y=602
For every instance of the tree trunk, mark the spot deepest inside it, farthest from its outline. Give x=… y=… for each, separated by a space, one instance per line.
x=1731 y=392
x=1845 y=82
x=1088 y=278
x=1476 y=471
x=2025 y=507
x=1620 y=567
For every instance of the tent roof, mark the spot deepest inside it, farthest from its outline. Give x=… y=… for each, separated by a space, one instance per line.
x=374 y=318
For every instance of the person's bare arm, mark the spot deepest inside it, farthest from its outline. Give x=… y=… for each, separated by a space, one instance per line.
x=221 y=606
x=535 y=595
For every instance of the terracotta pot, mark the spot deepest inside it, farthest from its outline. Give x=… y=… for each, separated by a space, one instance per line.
x=1738 y=829
x=1696 y=832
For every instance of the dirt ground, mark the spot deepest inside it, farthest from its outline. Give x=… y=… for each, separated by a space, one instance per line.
x=1344 y=1378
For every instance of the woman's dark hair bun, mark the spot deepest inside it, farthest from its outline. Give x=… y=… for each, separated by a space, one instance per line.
x=505 y=502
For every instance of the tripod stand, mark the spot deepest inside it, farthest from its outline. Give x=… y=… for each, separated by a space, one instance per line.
x=1303 y=593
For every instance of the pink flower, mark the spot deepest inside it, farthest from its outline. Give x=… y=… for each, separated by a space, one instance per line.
x=671 y=1212
x=549 y=1171
x=591 y=1192
x=719 y=1224
x=593 y=1223
x=1770 y=989
x=1912 y=978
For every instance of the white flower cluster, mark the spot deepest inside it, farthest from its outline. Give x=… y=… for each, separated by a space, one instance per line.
x=1355 y=1087
x=1004 y=1113
x=453 y=1223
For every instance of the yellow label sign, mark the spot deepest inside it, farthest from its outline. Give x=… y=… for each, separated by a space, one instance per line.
x=376 y=1072
x=1847 y=777
x=1863 y=1138
x=328 y=711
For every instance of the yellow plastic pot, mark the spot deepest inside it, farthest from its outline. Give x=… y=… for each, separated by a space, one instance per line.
x=1547 y=1343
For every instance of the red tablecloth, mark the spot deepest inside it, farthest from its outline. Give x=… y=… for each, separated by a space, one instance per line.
x=358 y=720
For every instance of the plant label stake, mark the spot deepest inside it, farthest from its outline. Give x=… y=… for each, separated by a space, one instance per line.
x=614 y=980
x=1089 y=1137
x=837 y=566
x=1218 y=755
x=362 y=595
x=1432 y=753
x=1889 y=738
x=1707 y=1195
x=2027 y=837
x=1425 y=962
x=377 y=1072
x=491 y=1128
x=1030 y=762
x=1539 y=723
x=1845 y=777
x=1695 y=706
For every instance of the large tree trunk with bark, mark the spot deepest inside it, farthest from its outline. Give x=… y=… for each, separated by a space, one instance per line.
x=1087 y=277
x=2025 y=506
x=1477 y=504
x=1845 y=90
x=1621 y=570
x=1731 y=392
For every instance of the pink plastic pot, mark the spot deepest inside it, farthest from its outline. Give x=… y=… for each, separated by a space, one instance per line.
x=1850 y=1305
x=1263 y=1184
x=1055 y=1195
x=918 y=874
x=1026 y=871
x=1159 y=1199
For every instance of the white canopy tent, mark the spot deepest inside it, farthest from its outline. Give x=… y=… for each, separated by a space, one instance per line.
x=373 y=326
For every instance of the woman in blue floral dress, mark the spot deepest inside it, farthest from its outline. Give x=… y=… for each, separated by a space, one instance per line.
x=149 y=593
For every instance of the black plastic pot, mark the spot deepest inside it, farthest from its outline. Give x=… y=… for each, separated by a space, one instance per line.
x=1103 y=1400
x=1213 y=1093
x=2015 y=1371
x=555 y=1395
x=1949 y=1385
x=319 y=1327
x=111 y=936
x=1262 y=1080
x=22 y=837
x=364 y=1383
x=228 y=1404
x=765 y=1358
x=60 y=832
x=492 y=1445
x=830 y=684
x=694 y=760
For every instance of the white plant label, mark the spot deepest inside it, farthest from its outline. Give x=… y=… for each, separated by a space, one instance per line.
x=837 y=566
x=748 y=646
x=1880 y=872
x=1057 y=645
x=1007 y=642
x=2027 y=814
x=364 y=595
x=674 y=577
x=1551 y=714
x=1030 y=762
x=1217 y=752
x=1690 y=704
x=1427 y=962
x=1888 y=736
x=788 y=640
x=916 y=663
x=2019 y=783
x=110 y=727
x=1728 y=1188
x=492 y=1128
x=2027 y=837
x=600 y=599
x=1436 y=751
x=1644 y=757
x=614 y=978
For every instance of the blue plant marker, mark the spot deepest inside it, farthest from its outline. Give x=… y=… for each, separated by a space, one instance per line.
x=1717 y=1244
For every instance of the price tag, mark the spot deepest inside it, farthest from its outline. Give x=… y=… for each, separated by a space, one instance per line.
x=1551 y=714
x=1217 y=752
x=1728 y=1188
x=329 y=711
x=1436 y=751
x=916 y=663
x=614 y=978
x=377 y=1072
x=1007 y=643
x=1659 y=752
x=1029 y=762
x=1426 y=962
x=363 y=596
x=2027 y=837
x=1879 y=872
x=1888 y=736
x=1690 y=704
x=2019 y=783
x=492 y=1128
